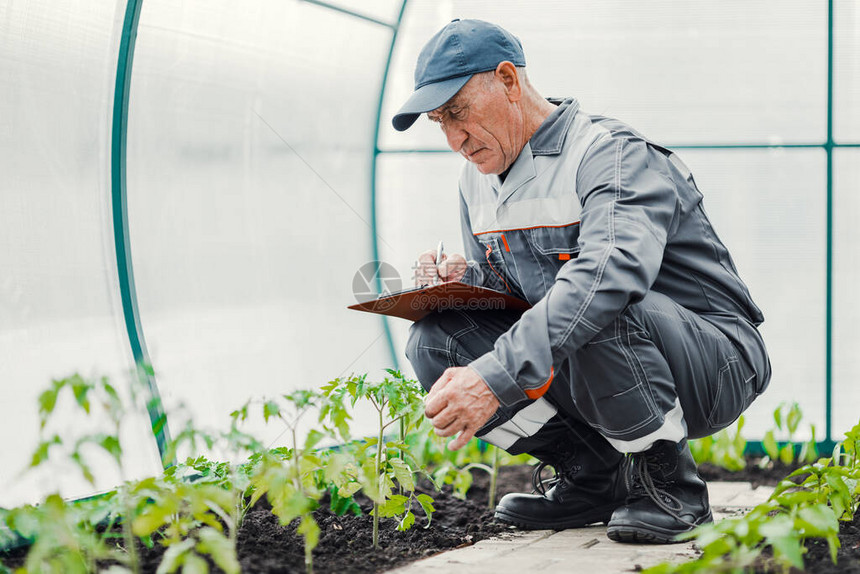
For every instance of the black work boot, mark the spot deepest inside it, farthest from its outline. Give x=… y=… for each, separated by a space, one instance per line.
x=667 y=496
x=587 y=487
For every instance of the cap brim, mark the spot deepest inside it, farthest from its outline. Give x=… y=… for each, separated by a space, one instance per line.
x=425 y=99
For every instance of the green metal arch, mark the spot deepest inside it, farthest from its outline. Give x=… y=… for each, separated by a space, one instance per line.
x=119 y=201
x=122 y=246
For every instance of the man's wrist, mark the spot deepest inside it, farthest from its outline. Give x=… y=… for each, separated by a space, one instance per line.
x=498 y=380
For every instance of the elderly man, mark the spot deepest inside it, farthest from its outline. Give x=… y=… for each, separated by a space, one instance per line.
x=641 y=333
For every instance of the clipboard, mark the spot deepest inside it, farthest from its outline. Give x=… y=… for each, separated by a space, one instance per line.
x=418 y=302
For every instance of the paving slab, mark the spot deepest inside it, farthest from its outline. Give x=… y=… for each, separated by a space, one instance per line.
x=588 y=549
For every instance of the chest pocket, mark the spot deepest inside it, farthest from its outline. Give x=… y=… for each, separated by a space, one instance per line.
x=557 y=245
x=495 y=260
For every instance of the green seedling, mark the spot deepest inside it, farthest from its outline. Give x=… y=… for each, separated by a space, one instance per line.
x=847 y=452
x=829 y=492
x=290 y=478
x=787 y=420
x=449 y=466
x=380 y=466
x=90 y=397
x=197 y=508
x=824 y=483
x=724 y=449
x=492 y=470
x=455 y=469
x=188 y=519
x=64 y=537
x=809 y=449
x=735 y=545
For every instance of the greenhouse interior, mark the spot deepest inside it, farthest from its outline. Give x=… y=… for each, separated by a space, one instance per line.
x=193 y=193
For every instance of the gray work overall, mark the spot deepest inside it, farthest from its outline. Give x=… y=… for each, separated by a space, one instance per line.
x=640 y=328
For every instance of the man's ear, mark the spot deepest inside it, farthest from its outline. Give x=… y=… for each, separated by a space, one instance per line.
x=506 y=73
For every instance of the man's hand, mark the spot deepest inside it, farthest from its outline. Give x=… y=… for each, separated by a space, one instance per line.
x=460 y=401
x=429 y=271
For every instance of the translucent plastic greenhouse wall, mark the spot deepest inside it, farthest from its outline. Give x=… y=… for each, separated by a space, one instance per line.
x=59 y=302
x=251 y=198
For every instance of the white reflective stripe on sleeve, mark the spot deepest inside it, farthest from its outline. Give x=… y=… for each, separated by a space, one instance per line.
x=523 y=424
x=674 y=429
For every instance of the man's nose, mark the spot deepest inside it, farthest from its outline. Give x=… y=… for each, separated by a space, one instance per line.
x=456 y=138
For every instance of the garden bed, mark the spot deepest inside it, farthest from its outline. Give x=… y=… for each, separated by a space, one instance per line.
x=345 y=545
x=817 y=557
x=265 y=546
x=196 y=515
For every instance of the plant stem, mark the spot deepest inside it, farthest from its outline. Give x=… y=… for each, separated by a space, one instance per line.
x=378 y=478
x=238 y=502
x=237 y=515
x=125 y=503
x=127 y=534
x=309 y=560
x=403 y=441
x=298 y=477
x=493 y=475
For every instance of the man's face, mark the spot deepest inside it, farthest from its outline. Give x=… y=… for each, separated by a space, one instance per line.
x=481 y=124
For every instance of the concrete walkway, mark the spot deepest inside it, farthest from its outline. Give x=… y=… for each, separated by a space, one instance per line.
x=588 y=549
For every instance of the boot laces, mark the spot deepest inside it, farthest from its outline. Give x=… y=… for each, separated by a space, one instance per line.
x=541 y=484
x=643 y=483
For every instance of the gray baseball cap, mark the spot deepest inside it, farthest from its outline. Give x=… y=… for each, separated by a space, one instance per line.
x=457 y=52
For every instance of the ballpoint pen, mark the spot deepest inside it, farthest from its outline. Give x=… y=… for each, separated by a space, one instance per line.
x=439 y=251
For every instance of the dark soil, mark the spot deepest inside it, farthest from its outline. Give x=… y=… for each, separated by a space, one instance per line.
x=345 y=546
x=345 y=543
x=817 y=558
x=769 y=475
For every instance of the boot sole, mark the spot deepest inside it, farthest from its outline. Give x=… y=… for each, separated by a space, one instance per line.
x=601 y=514
x=641 y=533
